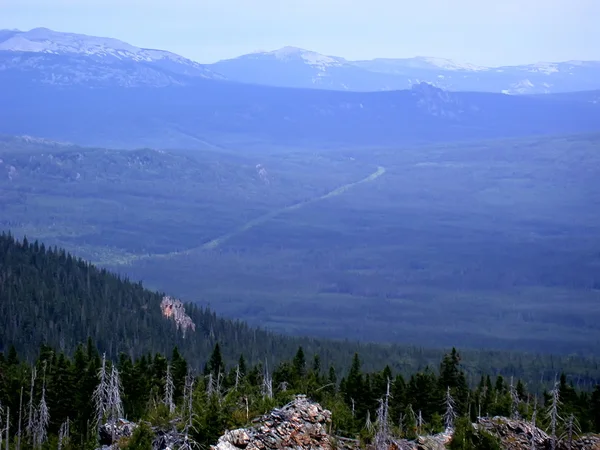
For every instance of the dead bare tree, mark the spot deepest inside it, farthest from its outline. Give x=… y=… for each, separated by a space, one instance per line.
x=482 y=394
x=572 y=430
x=42 y=417
x=210 y=385
x=382 y=437
x=188 y=398
x=115 y=403
x=1 y=420
x=20 y=420
x=514 y=397
x=63 y=434
x=29 y=428
x=553 y=414
x=410 y=420
x=401 y=424
x=533 y=423
x=267 y=384
x=100 y=395
x=237 y=377
x=7 y=427
x=369 y=423
x=450 y=413
x=169 y=389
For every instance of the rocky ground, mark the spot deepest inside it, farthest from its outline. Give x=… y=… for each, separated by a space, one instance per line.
x=517 y=435
x=303 y=424
x=300 y=424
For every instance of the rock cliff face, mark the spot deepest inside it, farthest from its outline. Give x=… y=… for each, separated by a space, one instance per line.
x=174 y=309
x=299 y=425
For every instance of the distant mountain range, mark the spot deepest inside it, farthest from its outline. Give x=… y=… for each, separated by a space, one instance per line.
x=216 y=114
x=158 y=99
x=49 y=57
x=295 y=67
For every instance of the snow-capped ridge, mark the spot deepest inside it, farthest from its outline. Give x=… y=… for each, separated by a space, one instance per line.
x=44 y=40
x=94 y=61
x=309 y=57
x=449 y=64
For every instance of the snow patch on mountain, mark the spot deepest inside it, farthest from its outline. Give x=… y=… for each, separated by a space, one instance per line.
x=544 y=67
x=448 y=64
x=43 y=40
x=311 y=58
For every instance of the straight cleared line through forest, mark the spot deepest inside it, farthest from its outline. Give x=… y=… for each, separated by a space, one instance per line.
x=211 y=245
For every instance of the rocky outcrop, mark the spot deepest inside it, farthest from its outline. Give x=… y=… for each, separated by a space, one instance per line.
x=113 y=435
x=112 y=432
x=518 y=435
x=175 y=310
x=300 y=424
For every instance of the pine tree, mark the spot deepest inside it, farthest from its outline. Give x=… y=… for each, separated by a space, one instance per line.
x=215 y=365
x=299 y=365
x=595 y=408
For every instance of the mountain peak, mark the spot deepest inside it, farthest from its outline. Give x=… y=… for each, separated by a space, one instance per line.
x=291 y=53
x=107 y=60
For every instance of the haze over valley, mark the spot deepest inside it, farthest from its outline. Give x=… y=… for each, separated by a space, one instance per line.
x=419 y=216
x=380 y=232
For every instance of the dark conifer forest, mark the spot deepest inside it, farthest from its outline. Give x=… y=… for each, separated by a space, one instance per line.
x=58 y=392
x=70 y=330
x=49 y=297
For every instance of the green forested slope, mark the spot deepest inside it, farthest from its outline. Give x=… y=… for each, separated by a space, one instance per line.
x=49 y=297
x=492 y=244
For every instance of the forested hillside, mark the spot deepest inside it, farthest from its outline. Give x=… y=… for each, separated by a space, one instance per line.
x=61 y=400
x=49 y=297
x=487 y=245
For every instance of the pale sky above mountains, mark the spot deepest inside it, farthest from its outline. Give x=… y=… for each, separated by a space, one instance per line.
x=477 y=31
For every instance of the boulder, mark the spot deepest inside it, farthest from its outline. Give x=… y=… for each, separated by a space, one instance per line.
x=300 y=424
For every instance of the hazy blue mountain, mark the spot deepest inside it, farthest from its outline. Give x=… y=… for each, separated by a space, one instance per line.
x=294 y=67
x=56 y=58
x=225 y=113
x=47 y=78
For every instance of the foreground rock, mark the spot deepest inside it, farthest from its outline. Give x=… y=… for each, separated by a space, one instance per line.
x=518 y=435
x=299 y=424
x=113 y=435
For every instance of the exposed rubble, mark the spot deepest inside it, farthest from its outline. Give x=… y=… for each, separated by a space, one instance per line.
x=302 y=425
x=517 y=435
x=299 y=424
x=174 y=309
x=110 y=432
x=112 y=436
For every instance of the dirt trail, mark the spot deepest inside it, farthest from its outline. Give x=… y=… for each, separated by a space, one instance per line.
x=210 y=245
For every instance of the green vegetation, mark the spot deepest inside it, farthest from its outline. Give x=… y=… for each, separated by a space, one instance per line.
x=156 y=390
x=487 y=245
x=49 y=297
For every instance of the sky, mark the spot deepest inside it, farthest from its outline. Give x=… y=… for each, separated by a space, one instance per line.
x=485 y=32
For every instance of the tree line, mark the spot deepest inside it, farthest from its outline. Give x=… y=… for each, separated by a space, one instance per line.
x=48 y=296
x=59 y=401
